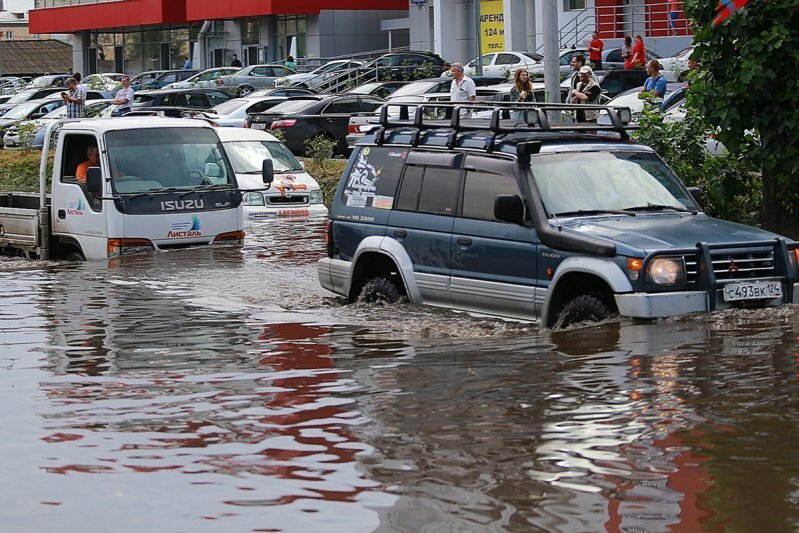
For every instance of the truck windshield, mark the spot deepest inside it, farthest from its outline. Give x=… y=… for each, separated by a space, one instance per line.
x=150 y=159
x=595 y=182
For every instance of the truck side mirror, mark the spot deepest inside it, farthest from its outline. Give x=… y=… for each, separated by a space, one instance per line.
x=212 y=170
x=509 y=208
x=94 y=180
x=696 y=193
x=268 y=172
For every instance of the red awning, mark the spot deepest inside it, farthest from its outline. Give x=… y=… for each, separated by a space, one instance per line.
x=226 y=9
x=107 y=15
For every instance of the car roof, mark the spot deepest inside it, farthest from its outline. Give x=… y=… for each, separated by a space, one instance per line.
x=184 y=90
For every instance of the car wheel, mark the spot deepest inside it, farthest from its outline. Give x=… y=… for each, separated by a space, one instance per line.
x=244 y=90
x=583 y=308
x=382 y=289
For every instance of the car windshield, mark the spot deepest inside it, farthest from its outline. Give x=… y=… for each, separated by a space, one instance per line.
x=18 y=98
x=180 y=158
x=419 y=87
x=23 y=110
x=291 y=107
x=247 y=156
x=366 y=88
x=534 y=57
x=577 y=182
x=42 y=81
x=326 y=68
x=225 y=108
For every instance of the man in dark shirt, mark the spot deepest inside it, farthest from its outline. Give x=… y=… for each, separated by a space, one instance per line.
x=587 y=92
x=235 y=62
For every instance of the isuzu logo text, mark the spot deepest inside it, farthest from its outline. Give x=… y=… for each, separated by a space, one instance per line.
x=182 y=205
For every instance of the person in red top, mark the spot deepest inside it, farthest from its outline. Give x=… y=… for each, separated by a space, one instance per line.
x=639 y=52
x=595 y=48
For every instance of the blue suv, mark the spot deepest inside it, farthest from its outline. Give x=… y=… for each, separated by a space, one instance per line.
x=540 y=218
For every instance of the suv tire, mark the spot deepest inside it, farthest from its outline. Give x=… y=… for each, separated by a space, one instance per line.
x=586 y=307
x=380 y=290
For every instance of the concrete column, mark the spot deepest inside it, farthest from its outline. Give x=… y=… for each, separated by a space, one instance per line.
x=531 y=23
x=515 y=12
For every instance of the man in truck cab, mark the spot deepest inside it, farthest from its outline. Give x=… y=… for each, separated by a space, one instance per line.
x=92 y=160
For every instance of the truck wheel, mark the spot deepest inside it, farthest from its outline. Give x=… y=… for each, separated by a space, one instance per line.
x=585 y=307
x=380 y=290
x=75 y=256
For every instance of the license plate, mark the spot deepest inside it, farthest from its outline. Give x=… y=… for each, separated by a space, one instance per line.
x=258 y=126
x=756 y=290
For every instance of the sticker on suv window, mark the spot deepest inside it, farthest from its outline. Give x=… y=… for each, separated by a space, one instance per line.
x=373 y=178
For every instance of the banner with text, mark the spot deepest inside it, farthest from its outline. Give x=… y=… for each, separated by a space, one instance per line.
x=492 y=26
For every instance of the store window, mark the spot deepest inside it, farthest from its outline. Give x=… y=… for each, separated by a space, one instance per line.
x=574 y=4
x=291 y=30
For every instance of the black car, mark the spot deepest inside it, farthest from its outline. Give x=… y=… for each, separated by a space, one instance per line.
x=617 y=81
x=282 y=91
x=406 y=66
x=305 y=117
x=190 y=98
x=377 y=88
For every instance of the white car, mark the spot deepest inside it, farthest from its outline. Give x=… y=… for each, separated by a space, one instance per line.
x=678 y=63
x=11 y=138
x=307 y=80
x=205 y=79
x=107 y=81
x=503 y=64
x=233 y=113
x=294 y=193
x=564 y=61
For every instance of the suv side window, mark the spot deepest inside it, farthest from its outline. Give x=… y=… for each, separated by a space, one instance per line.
x=438 y=193
x=481 y=189
x=373 y=177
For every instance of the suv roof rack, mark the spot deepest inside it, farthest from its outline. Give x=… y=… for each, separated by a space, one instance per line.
x=536 y=117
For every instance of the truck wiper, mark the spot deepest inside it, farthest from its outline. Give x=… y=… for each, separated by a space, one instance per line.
x=201 y=189
x=149 y=193
x=659 y=207
x=588 y=212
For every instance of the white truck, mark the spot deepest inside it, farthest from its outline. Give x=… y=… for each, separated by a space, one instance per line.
x=161 y=183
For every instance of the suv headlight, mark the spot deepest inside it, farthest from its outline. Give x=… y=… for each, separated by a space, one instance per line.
x=316 y=197
x=667 y=271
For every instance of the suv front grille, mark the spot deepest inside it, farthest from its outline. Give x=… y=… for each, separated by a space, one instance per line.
x=737 y=265
x=294 y=199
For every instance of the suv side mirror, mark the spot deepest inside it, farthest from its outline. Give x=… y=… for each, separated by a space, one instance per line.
x=94 y=180
x=268 y=172
x=509 y=208
x=696 y=193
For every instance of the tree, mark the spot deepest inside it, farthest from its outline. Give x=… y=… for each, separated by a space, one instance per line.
x=749 y=83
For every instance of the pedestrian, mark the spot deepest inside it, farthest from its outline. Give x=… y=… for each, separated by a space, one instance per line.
x=627 y=52
x=578 y=62
x=187 y=64
x=72 y=99
x=462 y=88
x=639 y=52
x=674 y=14
x=124 y=98
x=83 y=91
x=522 y=91
x=69 y=71
x=586 y=92
x=290 y=63
x=655 y=84
x=235 y=62
x=595 y=48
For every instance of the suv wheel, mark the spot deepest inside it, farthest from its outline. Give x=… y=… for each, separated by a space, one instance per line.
x=586 y=307
x=380 y=290
x=244 y=90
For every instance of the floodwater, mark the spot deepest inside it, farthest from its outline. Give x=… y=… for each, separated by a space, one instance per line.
x=224 y=390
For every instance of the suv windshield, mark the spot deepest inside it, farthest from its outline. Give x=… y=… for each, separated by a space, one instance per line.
x=580 y=182
x=150 y=159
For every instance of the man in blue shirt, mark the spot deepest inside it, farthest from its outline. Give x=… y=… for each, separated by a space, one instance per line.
x=187 y=64
x=655 y=84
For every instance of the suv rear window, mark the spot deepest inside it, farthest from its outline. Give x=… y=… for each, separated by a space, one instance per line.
x=373 y=177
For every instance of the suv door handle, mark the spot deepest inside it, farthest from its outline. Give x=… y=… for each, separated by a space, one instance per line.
x=400 y=233
x=464 y=241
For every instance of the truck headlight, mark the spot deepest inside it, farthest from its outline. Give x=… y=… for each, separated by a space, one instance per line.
x=666 y=271
x=316 y=197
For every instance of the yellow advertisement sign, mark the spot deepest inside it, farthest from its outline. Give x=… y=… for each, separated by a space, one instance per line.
x=492 y=26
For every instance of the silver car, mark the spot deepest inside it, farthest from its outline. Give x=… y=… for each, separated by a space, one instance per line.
x=250 y=78
x=307 y=80
x=205 y=79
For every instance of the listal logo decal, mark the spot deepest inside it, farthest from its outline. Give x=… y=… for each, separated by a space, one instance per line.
x=76 y=208
x=186 y=229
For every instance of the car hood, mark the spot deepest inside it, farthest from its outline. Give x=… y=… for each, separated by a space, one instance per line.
x=656 y=231
x=253 y=181
x=296 y=78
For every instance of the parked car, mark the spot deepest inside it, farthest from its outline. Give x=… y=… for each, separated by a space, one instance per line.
x=161 y=79
x=189 y=98
x=234 y=112
x=564 y=61
x=383 y=89
x=611 y=58
x=107 y=81
x=39 y=126
x=305 y=117
x=33 y=94
x=678 y=63
x=503 y=64
x=412 y=65
x=144 y=78
x=293 y=193
x=615 y=82
x=281 y=91
x=51 y=80
x=631 y=100
x=309 y=79
x=11 y=84
x=541 y=224
x=203 y=80
x=246 y=80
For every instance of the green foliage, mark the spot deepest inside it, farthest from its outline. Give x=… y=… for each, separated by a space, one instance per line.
x=327 y=175
x=27 y=132
x=19 y=170
x=320 y=149
x=731 y=189
x=279 y=134
x=748 y=83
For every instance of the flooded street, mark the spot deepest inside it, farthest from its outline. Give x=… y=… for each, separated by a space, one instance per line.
x=224 y=390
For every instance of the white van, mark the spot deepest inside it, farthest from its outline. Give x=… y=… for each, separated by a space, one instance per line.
x=293 y=192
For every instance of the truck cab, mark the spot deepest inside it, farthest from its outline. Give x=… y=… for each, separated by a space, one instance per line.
x=156 y=184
